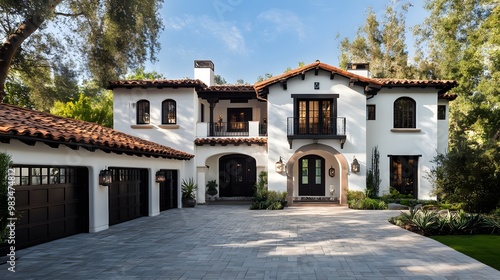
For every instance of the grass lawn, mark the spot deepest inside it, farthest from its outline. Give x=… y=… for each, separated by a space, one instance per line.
x=484 y=248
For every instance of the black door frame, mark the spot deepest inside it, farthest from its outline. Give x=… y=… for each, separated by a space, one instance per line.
x=311 y=188
x=168 y=190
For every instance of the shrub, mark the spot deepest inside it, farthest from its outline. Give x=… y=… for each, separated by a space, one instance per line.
x=355 y=195
x=266 y=199
x=367 y=203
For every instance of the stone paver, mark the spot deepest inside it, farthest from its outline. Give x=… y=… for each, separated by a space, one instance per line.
x=232 y=242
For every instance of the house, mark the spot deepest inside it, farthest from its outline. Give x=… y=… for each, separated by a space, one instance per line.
x=312 y=129
x=57 y=163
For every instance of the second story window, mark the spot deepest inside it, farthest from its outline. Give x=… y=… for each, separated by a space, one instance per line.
x=404 y=113
x=370 y=112
x=143 y=116
x=168 y=112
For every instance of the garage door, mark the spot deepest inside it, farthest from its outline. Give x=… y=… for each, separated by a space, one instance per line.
x=128 y=194
x=168 y=191
x=52 y=202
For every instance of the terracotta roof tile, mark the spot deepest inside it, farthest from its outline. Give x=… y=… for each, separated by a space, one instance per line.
x=225 y=141
x=29 y=125
x=315 y=65
x=228 y=88
x=186 y=83
x=407 y=82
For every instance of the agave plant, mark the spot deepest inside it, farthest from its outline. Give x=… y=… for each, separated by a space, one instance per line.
x=425 y=221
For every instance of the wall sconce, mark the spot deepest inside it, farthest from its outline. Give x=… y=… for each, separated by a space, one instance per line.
x=160 y=176
x=331 y=171
x=105 y=178
x=342 y=142
x=355 y=166
x=280 y=166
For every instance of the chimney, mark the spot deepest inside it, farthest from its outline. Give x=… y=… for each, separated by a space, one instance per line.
x=362 y=69
x=204 y=71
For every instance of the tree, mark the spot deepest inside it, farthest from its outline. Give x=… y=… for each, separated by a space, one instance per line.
x=266 y=76
x=381 y=44
x=141 y=74
x=219 y=80
x=104 y=38
x=299 y=64
x=373 y=175
x=97 y=109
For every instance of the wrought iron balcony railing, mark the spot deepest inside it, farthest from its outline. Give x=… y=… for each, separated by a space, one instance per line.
x=334 y=128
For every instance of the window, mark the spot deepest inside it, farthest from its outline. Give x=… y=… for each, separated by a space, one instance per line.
x=168 y=112
x=370 y=112
x=315 y=116
x=404 y=174
x=441 y=112
x=142 y=112
x=404 y=113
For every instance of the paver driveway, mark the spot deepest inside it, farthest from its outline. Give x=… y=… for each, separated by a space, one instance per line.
x=231 y=242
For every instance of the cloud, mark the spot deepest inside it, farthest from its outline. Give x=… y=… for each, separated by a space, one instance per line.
x=282 y=21
x=229 y=34
x=179 y=23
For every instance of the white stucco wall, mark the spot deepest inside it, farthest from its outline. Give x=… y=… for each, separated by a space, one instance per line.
x=423 y=142
x=179 y=136
x=351 y=104
x=41 y=154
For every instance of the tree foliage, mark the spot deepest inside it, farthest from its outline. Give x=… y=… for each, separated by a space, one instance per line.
x=219 y=80
x=373 y=175
x=100 y=39
x=382 y=44
x=97 y=109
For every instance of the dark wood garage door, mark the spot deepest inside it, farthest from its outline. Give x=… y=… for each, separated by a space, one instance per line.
x=52 y=202
x=168 y=191
x=128 y=194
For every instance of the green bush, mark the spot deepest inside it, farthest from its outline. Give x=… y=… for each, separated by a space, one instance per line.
x=5 y=164
x=430 y=222
x=266 y=199
x=367 y=203
x=355 y=195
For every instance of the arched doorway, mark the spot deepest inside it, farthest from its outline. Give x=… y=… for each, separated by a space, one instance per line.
x=237 y=176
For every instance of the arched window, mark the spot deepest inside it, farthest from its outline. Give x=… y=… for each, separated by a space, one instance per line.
x=142 y=112
x=168 y=112
x=404 y=113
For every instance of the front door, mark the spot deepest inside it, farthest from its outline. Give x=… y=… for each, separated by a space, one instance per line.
x=168 y=190
x=404 y=174
x=312 y=176
x=237 y=175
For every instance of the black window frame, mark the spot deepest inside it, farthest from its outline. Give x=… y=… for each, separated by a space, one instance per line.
x=143 y=108
x=166 y=111
x=441 y=112
x=371 y=115
x=405 y=115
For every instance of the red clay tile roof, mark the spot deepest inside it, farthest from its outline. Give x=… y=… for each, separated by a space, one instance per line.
x=315 y=65
x=186 y=83
x=28 y=126
x=228 y=88
x=403 y=82
x=226 y=141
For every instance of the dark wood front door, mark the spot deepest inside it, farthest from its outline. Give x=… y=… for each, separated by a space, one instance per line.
x=168 y=190
x=312 y=176
x=128 y=194
x=237 y=175
x=52 y=202
x=404 y=171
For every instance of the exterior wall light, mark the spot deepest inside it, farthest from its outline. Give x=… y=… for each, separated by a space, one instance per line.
x=355 y=166
x=105 y=178
x=331 y=171
x=280 y=166
x=160 y=176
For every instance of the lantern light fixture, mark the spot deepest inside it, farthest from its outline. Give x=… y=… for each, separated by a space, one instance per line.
x=105 y=178
x=355 y=166
x=280 y=166
x=160 y=176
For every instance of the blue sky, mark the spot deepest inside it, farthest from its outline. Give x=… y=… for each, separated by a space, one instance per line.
x=248 y=38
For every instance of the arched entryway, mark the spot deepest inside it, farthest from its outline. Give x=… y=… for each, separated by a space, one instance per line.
x=313 y=152
x=237 y=175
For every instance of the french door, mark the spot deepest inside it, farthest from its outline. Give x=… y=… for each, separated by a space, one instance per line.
x=312 y=176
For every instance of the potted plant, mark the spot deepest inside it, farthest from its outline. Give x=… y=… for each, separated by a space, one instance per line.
x=212 y=188
x=188 y=189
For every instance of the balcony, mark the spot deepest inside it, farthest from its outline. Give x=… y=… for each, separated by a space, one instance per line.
x=231 y=129
x=316 y=128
